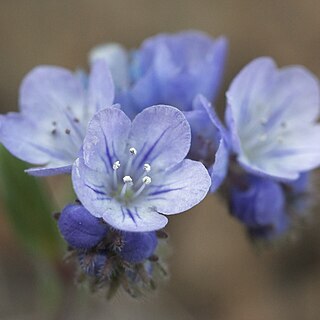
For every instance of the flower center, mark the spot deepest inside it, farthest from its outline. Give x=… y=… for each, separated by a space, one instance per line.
x=127 y=188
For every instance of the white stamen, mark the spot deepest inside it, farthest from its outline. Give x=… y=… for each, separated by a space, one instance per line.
x=147 y=167
x=133 y=152
x=115 y=167
x=146 y=180
x=127 y=180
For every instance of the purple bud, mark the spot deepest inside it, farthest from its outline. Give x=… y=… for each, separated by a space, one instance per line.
x=79 y=228
x=138 y=246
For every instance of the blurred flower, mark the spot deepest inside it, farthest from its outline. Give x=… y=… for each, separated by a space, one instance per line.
x=167 y=69
x=272 y=116
x=130 y=173
x=56 y=106
x=260 y=204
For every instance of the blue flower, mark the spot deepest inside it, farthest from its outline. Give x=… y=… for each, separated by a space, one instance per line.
x=55 y=107
x=272 y=116
x=130 y=173
x=260 y=204
x=167 y=69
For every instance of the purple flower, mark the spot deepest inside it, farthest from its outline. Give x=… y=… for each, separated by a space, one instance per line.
x=79 y=228
x=209 y=142
x=260 y=204
x=130 y=173
x=272 y=116
x=55 y=107
x=167 y=69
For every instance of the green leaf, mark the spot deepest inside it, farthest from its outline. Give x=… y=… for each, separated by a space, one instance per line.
x=28 y=207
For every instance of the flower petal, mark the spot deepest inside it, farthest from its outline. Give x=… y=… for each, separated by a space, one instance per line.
x=48 y=88
x=161 y=135
x=183 y=187
x=117 y=60
x=44 y=172
x=209 y=140
x=100 y=87
x=29 y=141
x=106 y=139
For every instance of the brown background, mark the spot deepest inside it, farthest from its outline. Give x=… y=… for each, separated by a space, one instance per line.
x=215 y=272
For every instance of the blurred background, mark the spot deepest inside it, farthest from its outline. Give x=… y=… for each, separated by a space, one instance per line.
x=216 y=273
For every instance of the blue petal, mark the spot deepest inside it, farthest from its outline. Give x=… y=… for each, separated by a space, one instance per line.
x=43 y=172
x=138 y=246
x=117 y=60
x=106 y=139
x=79 y=228
x=209 y=140
x=161 y=135
x=180 y=188
x=100 y=88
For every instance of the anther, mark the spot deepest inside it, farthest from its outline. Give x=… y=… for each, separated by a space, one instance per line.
x=54 y=123
x=67 y=131
x=133 y=151
x=76 y=120
x=146 y=180
x=116 y=165
x=127 y=179
x=147 y=167
x=53 y=131
x=283 y=124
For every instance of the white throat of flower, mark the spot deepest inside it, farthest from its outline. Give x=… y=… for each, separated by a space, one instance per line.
x=126 y=189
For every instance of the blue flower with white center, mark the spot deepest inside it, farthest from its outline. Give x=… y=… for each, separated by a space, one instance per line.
x=272 y=116
x=131 y=173
x=167 y=69
x=55 y=108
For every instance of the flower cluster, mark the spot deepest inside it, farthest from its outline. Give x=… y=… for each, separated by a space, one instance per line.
x=141 y=140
